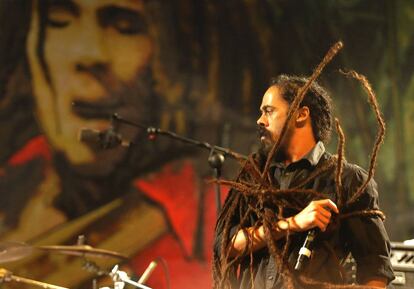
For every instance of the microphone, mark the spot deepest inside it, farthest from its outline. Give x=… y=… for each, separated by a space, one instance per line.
x=106 y=139
x=305 y=251
x=147 y=272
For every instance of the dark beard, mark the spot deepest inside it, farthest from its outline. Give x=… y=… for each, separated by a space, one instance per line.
x=266 y=147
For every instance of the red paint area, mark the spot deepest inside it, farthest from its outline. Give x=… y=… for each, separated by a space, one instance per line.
x=176 y=189
x=184 y=272
x=177 y=192
x=36 y=147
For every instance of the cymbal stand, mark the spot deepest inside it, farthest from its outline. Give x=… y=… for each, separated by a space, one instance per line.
x=121 y=278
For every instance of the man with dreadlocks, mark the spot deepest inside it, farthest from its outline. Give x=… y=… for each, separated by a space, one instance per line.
x=267 y=214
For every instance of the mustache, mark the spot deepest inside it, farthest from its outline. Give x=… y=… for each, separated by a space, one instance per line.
x=98 y=109
x=103 y=75
x=262 y=131
x=138 y=93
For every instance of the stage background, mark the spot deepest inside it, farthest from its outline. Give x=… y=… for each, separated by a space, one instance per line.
x=198 y=68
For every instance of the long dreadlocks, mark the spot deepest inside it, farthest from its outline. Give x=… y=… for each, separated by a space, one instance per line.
x=254 y=199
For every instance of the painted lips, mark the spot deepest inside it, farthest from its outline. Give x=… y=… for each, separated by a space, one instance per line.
x=103 y=109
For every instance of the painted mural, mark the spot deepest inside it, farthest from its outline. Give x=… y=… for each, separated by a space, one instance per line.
x=197 y=68
x=85 y=60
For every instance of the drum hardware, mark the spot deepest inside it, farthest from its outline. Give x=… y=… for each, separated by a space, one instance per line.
x=7 y=276
x=121 y=278
x=92 y=267
x=83 y=251
x=13 y=251
x=151 y=267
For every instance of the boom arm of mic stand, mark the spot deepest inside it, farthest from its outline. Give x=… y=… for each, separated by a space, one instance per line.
x=157 y=131
x=215 y=159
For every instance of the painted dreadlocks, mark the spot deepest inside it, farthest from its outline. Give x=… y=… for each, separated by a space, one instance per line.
x=256 y=195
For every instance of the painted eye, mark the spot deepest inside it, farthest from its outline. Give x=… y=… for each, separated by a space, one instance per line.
x=123 y=20
x=60 y=16
x=129 y=26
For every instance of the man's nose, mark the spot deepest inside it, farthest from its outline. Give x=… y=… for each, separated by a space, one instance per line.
x=261 y=121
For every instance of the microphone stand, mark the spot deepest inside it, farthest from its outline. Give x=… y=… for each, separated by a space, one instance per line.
x=215 y=159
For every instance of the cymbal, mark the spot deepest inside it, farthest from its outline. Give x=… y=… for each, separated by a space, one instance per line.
x=12 y=251
x=8 y=276
x=83 y=250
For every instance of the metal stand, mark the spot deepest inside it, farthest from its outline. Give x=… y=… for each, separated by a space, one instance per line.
x=215 y=159
x=121 y=278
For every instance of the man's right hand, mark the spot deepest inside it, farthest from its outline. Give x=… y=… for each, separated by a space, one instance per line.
x=316 y=215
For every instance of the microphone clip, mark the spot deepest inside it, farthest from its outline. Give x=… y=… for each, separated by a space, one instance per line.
x=109 y=139
x=306 y=250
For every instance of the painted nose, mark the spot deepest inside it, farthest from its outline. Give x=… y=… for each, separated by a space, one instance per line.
x=90 y=47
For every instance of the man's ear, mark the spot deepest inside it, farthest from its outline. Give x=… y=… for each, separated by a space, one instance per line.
x=302 y=115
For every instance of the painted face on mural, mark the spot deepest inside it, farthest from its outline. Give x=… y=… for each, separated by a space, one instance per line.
x=89 y=59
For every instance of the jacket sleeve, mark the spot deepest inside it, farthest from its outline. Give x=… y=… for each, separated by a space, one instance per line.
x=366 y=235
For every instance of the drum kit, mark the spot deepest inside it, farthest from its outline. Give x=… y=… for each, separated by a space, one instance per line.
x=13 y=251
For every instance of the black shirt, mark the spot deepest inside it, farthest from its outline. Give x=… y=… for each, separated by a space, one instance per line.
x=364 y=237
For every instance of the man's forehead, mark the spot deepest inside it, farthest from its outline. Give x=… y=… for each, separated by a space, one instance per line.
x=95 y=4
x=271 y=97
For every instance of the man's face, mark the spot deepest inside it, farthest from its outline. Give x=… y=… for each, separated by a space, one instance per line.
x=97 y=53
x=274 y=111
